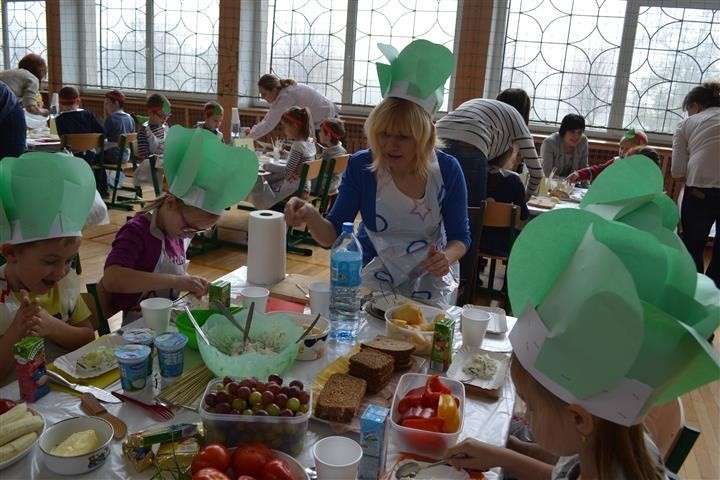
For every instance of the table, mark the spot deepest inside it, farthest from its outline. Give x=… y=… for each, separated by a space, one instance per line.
x=48 y=143
x=486 y=420
x=577 y=195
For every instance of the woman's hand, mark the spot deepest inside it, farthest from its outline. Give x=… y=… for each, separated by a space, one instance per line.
x=436 y=263
x=298 y=212
x=480 y=456
x=197 y=286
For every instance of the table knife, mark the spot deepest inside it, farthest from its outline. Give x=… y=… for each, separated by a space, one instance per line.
x=102 y=395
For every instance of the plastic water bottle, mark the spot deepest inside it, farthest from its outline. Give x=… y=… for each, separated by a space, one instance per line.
x=235 y=126
x=345 y=263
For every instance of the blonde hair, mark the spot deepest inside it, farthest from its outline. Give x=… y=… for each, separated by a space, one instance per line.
x=396 y=115
x=618 y=450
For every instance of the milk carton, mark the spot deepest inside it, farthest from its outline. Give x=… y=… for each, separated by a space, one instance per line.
x=372 y=441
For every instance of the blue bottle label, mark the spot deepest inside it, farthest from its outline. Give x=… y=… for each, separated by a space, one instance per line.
x=345 y=268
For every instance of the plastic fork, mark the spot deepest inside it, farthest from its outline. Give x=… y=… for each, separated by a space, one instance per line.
x=161 y=411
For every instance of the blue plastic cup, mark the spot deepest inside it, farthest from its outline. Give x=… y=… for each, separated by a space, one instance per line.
x=132 y=360
x=171 y=353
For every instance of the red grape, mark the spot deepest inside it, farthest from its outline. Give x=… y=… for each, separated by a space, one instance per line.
x=281 y=399
x=267 y=397
x=304 y=397
x=244 y=392
x=211 y=399
x=260 y=387
x=298 y=384
x=223 y=397
x=223 y=408
x=287 y=413
x=232 y=387
x=227 y=380
x=275 y=378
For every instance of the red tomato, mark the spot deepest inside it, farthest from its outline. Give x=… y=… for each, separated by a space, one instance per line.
x=214 y=455
x=250 y=458
x=6 y=405
x=276 y=469
x=209 y=474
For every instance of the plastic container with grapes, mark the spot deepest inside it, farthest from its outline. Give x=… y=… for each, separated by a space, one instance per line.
x=281 y=432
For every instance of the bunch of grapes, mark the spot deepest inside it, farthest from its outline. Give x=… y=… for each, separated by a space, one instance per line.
x=251 y=396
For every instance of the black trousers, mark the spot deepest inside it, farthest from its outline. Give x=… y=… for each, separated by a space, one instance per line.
x=700 y=208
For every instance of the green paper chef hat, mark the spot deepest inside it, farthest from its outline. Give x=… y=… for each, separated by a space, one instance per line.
x=206 y=173
x=614 y=316
x=418 y=73
x=44 y=195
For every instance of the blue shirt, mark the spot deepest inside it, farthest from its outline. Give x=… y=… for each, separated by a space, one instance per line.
x=358 y=190
x=118 y=123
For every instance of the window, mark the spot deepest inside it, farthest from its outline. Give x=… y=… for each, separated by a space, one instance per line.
x=619 y=63
x=23 y=31
x=332 y=44
x=183 y=45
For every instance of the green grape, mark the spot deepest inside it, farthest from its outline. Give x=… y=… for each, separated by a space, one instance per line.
x=293 y=404
x=255 y=398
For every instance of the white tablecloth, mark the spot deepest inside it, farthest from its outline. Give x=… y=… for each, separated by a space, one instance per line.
x=485 y=420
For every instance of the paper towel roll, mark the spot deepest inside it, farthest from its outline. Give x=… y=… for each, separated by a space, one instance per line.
x=266 y=247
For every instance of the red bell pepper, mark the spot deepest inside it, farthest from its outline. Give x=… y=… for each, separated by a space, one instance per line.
x=433 y=424
x=411 y=399
x=433 y=389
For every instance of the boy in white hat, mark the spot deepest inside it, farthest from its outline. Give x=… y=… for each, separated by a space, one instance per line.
x=45 y=199
x=148 y=257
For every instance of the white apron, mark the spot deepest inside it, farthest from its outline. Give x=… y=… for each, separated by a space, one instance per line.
x=142 y=174
x=406 y=228
x=167 y=263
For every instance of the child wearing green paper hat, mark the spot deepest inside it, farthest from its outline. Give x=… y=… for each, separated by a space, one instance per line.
x=633 y=141
x=611 y=325
x=213 y=112
x=45 y=199
x=148 y=256
x=411 y=196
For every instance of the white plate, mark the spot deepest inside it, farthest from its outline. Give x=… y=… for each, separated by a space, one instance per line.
x=465 y=355
x=19 y=456
x=68 y=362
x=498 y=319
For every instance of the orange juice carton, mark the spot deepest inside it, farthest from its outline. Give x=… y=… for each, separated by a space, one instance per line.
x=441 y=354
x=30 y=368
x=372 y=441
x=219 y=290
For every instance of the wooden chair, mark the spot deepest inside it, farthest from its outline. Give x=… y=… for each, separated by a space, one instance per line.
x=336 y=166
x=82 y=142
x=671 y=435
x=94 y=298
x=310 y=171
x=469 y=262
x=505 y=216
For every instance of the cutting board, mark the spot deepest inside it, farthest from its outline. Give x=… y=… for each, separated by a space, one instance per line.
x=288 y=290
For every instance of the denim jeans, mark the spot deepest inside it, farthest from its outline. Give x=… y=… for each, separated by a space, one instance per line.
x=700 y=208
x=474 y=166
x=12 y=124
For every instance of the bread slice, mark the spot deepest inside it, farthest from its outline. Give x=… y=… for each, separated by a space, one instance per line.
x=340 y=398
x=374 y=366
x=400 y=350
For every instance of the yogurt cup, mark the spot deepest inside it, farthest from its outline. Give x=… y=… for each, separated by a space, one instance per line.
x=171 y=353
x=141 y=336
x=132 y=360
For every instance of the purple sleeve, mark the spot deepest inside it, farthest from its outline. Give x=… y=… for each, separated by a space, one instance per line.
x=134 y=246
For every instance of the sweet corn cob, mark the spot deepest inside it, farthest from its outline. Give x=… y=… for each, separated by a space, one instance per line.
x=15 y=413
x=16 y=446
x=12 y=430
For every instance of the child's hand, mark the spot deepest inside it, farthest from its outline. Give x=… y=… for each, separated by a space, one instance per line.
x=298 y=212
x=42 y=324
x=480 y=456
x=197 y=286
x=25 y=315
x=436 y=262
x=573 y=178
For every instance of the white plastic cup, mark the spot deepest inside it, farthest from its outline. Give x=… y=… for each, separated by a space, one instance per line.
x=259 y=295
x=156 y=313
x=474 y=323
x=337 y=457
x=320 y=298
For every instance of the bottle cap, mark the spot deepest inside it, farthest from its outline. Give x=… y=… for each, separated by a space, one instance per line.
x=348 y=227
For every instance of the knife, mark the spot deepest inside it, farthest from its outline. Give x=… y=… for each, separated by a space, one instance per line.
x=90 y=405
x=101 y=394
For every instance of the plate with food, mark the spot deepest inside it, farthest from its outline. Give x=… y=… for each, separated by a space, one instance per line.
x=91 y=360
x=480 y=368
x=380 y=302
x=24 y=427
x=409 y=466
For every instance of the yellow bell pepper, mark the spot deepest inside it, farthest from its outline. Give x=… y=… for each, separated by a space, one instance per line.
x=448 y=411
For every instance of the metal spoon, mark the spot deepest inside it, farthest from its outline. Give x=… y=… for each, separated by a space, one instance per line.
x=308 y=329
x=196 y=326
x=248 y=322
x=226 y=312
x=411 y=469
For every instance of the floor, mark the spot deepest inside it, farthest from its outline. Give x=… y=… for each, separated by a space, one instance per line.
x=702 y=407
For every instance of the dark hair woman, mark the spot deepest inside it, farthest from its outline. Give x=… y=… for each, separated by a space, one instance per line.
x=567 y=150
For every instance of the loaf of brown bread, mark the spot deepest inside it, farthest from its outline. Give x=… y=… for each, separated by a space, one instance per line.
x=400 y=350
x=374 y=366
x=340 y=398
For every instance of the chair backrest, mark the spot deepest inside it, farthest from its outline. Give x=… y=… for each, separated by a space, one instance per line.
x=97 y=301
x=336 y=166
x=129 y=141
x=469 y=261
x=340 y=164
x=501 y=215
x=310 y=171
x=81 y=142
x=671 y=435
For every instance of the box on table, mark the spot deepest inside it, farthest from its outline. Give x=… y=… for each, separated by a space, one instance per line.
x=219 y=290
x=372 y=441
x=30 y=369
x=441 y=354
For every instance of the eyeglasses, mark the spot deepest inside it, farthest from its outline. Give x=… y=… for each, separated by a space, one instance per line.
x=189 y=229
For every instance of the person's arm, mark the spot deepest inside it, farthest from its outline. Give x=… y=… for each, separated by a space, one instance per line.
x=281 y=104
x=30 y=89
x=35 y=109
x=483 y=456
x=548 y=152
x=62 y=333
x=583 y=153
x=17 y=329
x=118 y=279
x=532 y=450
x=680 y=153
x=526 y=147
x=299 y=212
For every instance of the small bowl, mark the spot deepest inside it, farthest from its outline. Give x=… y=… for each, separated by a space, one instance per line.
x=421 y=339
x=79 y=464
x=312 y=347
